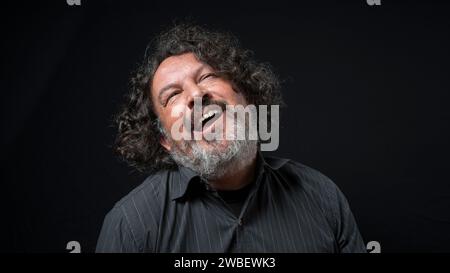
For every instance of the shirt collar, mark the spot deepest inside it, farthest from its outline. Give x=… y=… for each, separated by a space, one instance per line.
x=185 y=178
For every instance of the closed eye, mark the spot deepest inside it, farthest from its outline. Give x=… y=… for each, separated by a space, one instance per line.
x=208 y=75
x=171 y=96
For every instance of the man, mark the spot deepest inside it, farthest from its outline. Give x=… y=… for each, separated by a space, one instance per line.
x=219 y=195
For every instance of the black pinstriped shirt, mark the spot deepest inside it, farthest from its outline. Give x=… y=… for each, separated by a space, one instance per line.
x=289 y=208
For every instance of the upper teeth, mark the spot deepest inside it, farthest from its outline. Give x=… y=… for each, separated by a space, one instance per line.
x=208 y=115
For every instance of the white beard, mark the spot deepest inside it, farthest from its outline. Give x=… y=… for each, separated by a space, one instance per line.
x=213 y=162
x=213 y=159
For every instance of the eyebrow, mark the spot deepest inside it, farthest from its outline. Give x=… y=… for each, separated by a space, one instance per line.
x=176 y=84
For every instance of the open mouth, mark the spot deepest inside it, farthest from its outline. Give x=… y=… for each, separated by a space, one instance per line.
x=207 y=119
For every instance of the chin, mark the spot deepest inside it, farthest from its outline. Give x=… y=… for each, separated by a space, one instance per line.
x=215 y=144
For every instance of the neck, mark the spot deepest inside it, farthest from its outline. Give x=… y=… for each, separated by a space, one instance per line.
x=238 y=177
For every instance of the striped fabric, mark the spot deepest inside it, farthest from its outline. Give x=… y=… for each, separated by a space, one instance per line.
x=290 y=208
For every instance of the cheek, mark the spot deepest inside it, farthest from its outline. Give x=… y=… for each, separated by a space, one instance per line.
x=172 y=114
x=242 y=99
x=231 y=95
x=167 y=121
x=237 y=99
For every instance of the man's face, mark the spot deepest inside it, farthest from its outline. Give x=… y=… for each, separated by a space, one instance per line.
x=177 y=82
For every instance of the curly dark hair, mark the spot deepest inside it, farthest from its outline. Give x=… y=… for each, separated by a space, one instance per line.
x=138 y=138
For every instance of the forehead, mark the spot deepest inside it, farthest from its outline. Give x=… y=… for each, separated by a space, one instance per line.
x=175 y=68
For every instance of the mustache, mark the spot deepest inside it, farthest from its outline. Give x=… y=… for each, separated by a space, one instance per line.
x=206 y=101
x=199 y=109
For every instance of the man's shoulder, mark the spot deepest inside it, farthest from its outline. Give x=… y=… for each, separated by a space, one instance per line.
x=145 y=194
x=141 y=207
x=296 y=172
x=311 y=184
x=138 y=212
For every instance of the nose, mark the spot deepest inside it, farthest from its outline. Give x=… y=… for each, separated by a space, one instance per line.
x=195 y=92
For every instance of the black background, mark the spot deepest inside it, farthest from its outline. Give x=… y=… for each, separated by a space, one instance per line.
x=367 y=89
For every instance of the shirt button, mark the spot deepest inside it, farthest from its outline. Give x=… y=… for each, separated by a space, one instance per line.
x=240 y=222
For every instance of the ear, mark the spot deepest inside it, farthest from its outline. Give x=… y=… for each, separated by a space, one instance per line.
x=163 y=141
